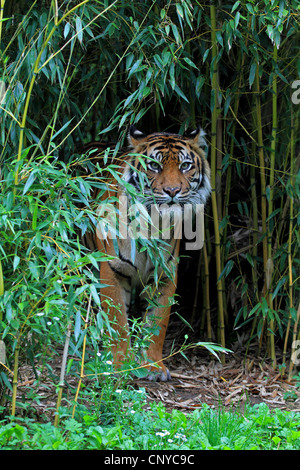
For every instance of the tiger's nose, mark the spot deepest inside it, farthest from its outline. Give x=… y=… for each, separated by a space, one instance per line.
x=172 y=191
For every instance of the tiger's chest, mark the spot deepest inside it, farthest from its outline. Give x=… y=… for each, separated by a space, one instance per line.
x=132 y=265
x=137 y=268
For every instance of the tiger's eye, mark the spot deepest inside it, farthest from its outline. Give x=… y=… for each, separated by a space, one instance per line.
x=185 y=166
x=154 y=166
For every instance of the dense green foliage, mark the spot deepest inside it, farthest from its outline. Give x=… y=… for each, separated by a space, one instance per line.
x=76 y=71
x=205 y=429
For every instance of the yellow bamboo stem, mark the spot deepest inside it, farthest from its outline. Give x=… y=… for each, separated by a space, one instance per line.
x=62 y=374
x=290 y=264
x=83 y=358
x=2 y=3
x=207 y=299
x=1 y=287
x=270 y=209
x=36 y=71
x=294 y=345
x=262 y=179
x=15 y=380
x=215 y=113
x=198 y=278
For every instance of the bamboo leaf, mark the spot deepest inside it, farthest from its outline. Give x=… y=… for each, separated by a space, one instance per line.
x=281 y=282
x=29 y=182
x=237 y=19
x=252 y=74
x=135 y=67
x=79 y=29
x=16 y=262
x=235 y=6
x=180 y=93
x=61 y=130
x=77 y=327
x=228 y=267
x=190 y=62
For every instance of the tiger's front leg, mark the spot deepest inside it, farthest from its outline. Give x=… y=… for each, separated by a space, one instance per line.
x=160 y=315
x=118 y=299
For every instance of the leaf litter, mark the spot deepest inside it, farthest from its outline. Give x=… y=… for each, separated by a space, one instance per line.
x=197 y=379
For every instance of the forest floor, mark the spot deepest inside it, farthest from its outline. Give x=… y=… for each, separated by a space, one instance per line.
x=197 y=378
x=200 y=378
x=232 y=385
x=194 y=382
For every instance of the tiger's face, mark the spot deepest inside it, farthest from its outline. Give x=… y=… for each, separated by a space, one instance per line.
x=176 y=168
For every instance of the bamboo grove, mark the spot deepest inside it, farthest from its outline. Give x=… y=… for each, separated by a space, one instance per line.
x=73 y=72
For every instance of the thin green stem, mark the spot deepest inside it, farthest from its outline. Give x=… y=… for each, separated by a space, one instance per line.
x=15 y=379
x=214 y=123
x=36 y=71
x=270 y=263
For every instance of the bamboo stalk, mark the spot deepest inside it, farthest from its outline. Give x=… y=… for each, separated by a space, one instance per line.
x=289 y=251
x=293 y=360
x=62 y=374
x=262 y=177
x=206 y=298
x=1 y=288
x=215 y=113
x=240 y=65
x=198 y=278
x=255 y=221
x=15 y=379
x=36 y=70
x=261 y=162
x=219 y=163
x=219 y=206
x=83 y=357
x=2 y=3
x=270 y=263
x=1 y=281
x=254 y=232
x=192 y=110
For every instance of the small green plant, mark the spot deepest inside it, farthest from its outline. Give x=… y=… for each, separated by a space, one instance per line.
x=222 y=428
x=293 y=394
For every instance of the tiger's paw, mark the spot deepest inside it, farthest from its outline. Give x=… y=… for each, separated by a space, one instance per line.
x=158 y=374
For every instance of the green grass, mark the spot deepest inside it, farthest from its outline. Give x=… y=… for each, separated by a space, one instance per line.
x=128 y=426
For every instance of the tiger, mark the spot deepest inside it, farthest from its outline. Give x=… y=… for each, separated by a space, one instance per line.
x=176 y=172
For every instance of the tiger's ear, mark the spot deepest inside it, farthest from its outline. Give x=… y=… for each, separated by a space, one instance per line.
x=135 y=136
x=197 y=137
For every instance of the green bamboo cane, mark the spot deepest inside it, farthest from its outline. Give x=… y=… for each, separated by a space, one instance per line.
x=17 y=349
x=261 y=162
x=15 y=379
x=295 y=329
x=262 y=176
x=289 y=251
x=219 y=207
x=225 y=210
x=2 y=3
x=1 y=281
x=255 y=228
x=254 y=219
x=215 y=113
x=270 y=268
x=197 y=287
x=1 y=288
x=83 y=358
x=36 y=70
x=240 y=64
x=207 y=299
x=62 y=374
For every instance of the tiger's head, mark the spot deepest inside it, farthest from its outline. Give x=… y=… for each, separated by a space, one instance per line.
x=176 y=167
